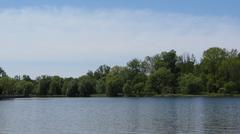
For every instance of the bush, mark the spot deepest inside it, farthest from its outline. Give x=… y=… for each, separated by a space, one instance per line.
x=230 y=88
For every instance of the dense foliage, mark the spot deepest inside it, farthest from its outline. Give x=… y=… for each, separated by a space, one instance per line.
x=218 y=72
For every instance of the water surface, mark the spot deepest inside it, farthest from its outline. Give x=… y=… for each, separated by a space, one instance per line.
x=181 y=115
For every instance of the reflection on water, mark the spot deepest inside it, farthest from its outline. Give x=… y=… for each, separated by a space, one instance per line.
x=200 y=115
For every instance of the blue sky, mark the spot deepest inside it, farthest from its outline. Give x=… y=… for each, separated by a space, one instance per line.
x=70 y=37
x=197 y=7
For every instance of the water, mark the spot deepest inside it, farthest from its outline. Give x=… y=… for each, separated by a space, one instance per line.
x=200 y=115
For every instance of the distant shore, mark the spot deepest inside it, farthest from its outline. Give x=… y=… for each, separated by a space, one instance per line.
x=12 y=97
x=103 y=95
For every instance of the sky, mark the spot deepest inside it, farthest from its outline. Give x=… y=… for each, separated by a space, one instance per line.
x=70 y=37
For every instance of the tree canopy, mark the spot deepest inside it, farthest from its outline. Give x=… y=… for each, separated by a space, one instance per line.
x=218 y=72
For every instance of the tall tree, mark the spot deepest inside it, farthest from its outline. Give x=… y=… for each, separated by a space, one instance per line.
x=2 y=73
x=190 y=84
x=161 y=81
x=7 y=86
x=86 y=86
x=115 y=81
x=212 y=59
x=101 y=72
x=72 y=89
x=186 y=63
x=43 y=85
x=24 y=87
x=55 y=86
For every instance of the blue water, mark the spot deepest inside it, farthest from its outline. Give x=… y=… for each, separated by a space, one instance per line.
x=167 y=115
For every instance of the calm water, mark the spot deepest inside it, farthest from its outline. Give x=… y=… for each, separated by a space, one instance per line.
x=181 y=115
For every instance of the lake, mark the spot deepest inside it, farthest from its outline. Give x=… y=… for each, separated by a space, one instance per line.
x=160 y=115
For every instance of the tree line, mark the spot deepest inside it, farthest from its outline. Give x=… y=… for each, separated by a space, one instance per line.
x=218 y=72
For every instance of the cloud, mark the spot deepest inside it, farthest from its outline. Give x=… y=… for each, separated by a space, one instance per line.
x=69 y=41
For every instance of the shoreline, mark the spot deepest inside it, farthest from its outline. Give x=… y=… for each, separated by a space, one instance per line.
x=104 y=96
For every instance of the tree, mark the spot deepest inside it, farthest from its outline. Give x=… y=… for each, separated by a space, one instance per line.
x=7 y=86
x=65 y=85
x=231 y=88
x=102 y=72
x=166 y=60
x=190 y=84
x=55 y=86
x=26 y=78
x=115 y=81
x=101 y=86
x=24 y=87
x=127 y=89
x=90 y=74
x=135 y=74
x=86 y=86
x=139 y=88
x=100 y=76
x=72 y=90
x=2 y=73
x=186 y=63
x=170 y=59
x=138 y=84
x=161 y=81
x=43 y=85
x=148 y=64
x=135 y=66
x=114 y=86
x=212 y=59
x=229 y=70
x=163 y=73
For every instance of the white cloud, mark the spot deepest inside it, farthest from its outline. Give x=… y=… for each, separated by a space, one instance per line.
x=91 y=37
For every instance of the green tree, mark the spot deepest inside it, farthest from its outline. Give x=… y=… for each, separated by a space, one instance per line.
x=127 y=89
x=138 y=84
x=211 y=61
x=148 y=64
x=24 y=87
x=100 y=76
x=212 y=58
x=102 y=72
x=2 y=73
x=114 y=86
x=101 y=86
x=160 y=81
x=135 y=87
x=190 y=84
x=7 y=86
x=55 y=86
x=170 y=59
x=115 y=81
x=135 y=66
x=72 y=89
x=231 y=88
x=43 y=85
x=26 y=78
x=86 y=86
x=229 y=70
x=135 y=74
x=65 y=85
x=186 y=63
